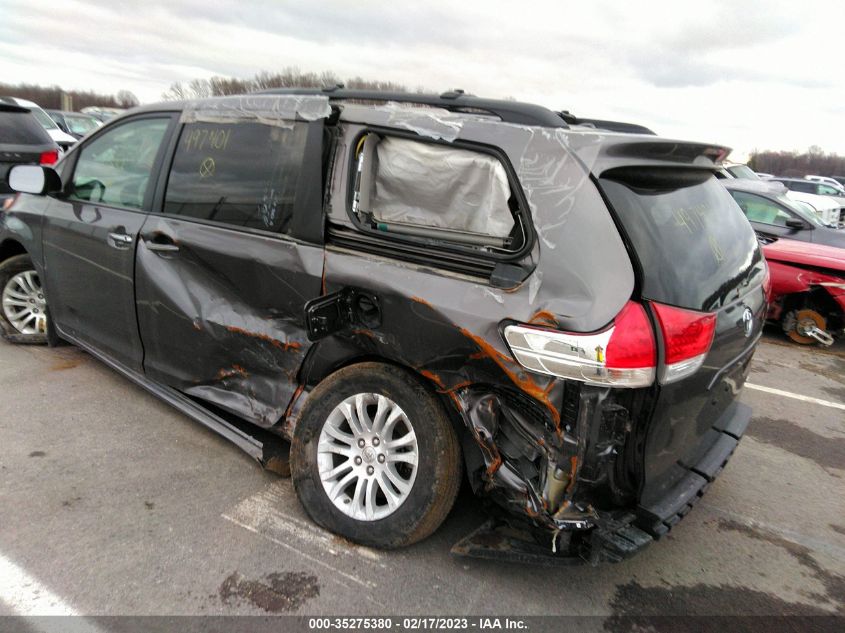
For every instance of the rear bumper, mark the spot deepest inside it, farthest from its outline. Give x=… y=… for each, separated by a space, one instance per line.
x=617 y=541
x=656 y=519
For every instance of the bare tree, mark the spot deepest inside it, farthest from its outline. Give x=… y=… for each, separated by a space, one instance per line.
x=127 y=99
x=795 y=164
x=176 y=92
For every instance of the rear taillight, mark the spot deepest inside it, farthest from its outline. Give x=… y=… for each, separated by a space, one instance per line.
x=687 y=336
x=767 y=286
x=48 y=158
x=623 y=355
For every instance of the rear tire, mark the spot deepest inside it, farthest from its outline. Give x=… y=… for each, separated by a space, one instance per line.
x=23 y=308
x=388 y=482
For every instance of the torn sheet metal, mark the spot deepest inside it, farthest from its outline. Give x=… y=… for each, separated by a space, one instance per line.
x=442 y=187
x=279 y=110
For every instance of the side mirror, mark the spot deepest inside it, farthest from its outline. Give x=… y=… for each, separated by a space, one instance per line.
x=796 y=223
x=34 y=179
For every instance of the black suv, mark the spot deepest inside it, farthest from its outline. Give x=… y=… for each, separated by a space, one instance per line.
x=22 y=141
x=406 y=290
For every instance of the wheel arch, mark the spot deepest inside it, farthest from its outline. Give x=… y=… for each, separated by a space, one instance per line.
x=10 y=248
x=331 y=355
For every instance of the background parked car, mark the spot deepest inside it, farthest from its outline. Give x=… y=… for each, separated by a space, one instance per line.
x=102 y=114
x=828 y=181
x=807 y=294
x=829 y=209
x=74 y=123
x=774 y=214
x=22 y=141
x=62 y=139
x=812 y=186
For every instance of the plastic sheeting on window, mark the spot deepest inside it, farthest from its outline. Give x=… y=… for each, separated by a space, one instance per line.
x=441 y=187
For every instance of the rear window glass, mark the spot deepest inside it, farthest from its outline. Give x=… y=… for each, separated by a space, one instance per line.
x=21 y=128
x=692 y=240
x=243 y=174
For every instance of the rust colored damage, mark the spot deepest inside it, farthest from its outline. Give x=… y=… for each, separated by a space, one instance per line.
x=524 y=382
x=422 y=301
x=433 y=378
x=544 y=317
x=284 y=346
x=235 y=370
x=293 y=399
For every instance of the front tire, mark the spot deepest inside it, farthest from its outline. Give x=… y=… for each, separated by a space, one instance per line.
x=375 y=458
x=23 y=306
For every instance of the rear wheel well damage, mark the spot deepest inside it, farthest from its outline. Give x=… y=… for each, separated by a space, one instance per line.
x=564 y=476
x=317 y=368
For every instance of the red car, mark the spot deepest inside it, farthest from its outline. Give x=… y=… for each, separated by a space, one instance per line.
x=807 y=290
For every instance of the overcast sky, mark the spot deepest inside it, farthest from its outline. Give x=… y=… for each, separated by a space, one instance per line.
x=748 y=74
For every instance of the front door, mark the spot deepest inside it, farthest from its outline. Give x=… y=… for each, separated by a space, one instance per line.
x=90 y=236
x=221 y=278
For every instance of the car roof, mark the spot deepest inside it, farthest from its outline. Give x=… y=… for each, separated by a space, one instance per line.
x=616 y=148
x=21 y=102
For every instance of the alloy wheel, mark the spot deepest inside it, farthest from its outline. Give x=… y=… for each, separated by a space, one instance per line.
x=24 y=305
x=367 y=456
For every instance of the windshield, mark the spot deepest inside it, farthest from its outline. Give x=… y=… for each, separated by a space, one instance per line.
x=43 y=118
x=80 y=124
x=695 y=247
x=806 y=211
x=743 y=171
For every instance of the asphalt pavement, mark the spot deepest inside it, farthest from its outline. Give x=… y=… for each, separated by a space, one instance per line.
x=112 y=503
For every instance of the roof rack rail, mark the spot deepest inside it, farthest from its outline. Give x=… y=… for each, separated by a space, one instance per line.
x=610 y=126
x=454 y=100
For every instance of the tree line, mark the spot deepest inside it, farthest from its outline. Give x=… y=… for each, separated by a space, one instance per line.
x=50 y=97
x=288 y=78
x=814 y=161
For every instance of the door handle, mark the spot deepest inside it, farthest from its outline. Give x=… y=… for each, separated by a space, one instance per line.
x=161 y=243
x=120 y=240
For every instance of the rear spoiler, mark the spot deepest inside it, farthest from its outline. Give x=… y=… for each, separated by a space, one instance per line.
x=603 y=124
x=648 y=151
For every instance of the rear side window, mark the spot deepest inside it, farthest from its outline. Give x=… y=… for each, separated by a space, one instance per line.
x=406 y=187
x=804 y=187
x=692 y=241
x=21 y=128
x=242 y=174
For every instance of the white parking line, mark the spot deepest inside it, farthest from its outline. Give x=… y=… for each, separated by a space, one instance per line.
x=261 y=515
x=797 y=396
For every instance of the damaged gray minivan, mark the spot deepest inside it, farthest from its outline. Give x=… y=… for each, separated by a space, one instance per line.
x=411 y=288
